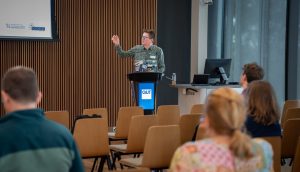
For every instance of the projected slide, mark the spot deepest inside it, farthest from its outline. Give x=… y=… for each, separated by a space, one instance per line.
x=25 y=19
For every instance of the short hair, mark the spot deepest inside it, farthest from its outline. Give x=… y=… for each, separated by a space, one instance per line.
x=262 y=103
x=20 y=83
x=150 y=32
x=253 y=72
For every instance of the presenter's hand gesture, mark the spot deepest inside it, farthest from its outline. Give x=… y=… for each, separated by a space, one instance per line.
x=115 y=40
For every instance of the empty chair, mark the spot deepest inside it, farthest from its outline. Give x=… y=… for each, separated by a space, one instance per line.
x=123 y=122
x=288 y=104
x=136 y=137
x=291 y=113
x=187 y=126
x=198 y=108
x=161 y=143
x=276 y=146
x=296 y=164
x=91 y=137
x=61 y=117
x=168 y=115
x=98 y=111
x=291 y=132
x=201 y=133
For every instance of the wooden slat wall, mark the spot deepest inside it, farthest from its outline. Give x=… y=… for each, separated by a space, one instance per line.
x=82 y=70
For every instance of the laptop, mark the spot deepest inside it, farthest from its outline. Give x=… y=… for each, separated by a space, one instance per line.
x=200 y=79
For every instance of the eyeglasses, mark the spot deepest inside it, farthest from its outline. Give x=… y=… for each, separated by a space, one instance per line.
x=144 y=37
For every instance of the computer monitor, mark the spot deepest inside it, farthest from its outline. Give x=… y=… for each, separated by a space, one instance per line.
x=218 y=68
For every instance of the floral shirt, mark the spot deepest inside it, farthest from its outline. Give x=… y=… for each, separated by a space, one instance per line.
x=209 y=156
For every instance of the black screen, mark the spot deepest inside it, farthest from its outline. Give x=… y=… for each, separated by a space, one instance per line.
x=212 y=65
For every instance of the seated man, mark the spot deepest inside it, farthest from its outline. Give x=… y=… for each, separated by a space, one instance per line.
x=30 y=142
x=251 y=72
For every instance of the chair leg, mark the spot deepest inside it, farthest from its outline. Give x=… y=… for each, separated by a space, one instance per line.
x=109 y=163
x=291 y=162
x=114 y=159
x=94 y=164
x=282 y=162
x=100 y=169
x=118 y=155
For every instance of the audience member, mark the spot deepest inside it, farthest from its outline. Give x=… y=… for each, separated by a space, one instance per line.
x=30 y=142
x=226 y=148
x=263 y=111
x=251 y=72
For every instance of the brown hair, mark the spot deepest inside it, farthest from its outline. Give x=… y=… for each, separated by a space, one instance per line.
x=253 y=72
x=20 y=83
x=150 y=32
x=226 y=112
x=262 y=103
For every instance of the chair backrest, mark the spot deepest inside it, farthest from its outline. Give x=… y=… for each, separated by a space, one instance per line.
x=91 y=137
x=291 y=113
x=296 y=163
x=276 y=145
x=288 y=104
x=291 y=132
x=139 y=126
x=187 y=126
x=161 y=143
x=198 y=108
x=61 y=117
x=98 y=111
x=124 y=118
x=201 y=133
x=168 y=115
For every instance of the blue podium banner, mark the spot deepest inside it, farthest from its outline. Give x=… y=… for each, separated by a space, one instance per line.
x=146 y=95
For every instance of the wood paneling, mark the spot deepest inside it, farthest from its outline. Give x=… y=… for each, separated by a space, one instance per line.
x=82 y=70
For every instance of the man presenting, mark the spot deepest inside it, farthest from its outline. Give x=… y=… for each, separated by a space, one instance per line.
x=147 y=57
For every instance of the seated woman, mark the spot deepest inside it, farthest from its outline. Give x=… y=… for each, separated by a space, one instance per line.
x=226 y=147
x=263 y=111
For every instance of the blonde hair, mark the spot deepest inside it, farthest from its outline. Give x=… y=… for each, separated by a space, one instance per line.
x=226 y=112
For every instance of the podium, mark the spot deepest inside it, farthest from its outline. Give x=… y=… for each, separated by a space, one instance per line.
x=144 y=86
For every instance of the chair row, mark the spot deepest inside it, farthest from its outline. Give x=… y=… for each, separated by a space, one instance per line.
x=63 y=118
x=137 y=124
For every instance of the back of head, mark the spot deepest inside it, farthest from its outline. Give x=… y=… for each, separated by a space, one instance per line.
x=253 y=72
x=226 y=112
x=20 y=83
x=262 y=104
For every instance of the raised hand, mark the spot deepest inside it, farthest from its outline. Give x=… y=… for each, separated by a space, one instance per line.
x=115 y=40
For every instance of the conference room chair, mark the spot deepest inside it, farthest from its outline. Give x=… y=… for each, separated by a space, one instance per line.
x=123 y=122
x=275 y=142
x=288 y=104
x=97 y=111
x=139 y=126
x=161 y=143
x=187 y=124
x=91 y=138
x=198 y=108
x=290 y=134
x=61 y=117
x=296 y=164
x=201 y=133
x=291 y=113
x=168 y=115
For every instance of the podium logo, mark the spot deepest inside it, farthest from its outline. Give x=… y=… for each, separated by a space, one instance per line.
x=146 y=93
